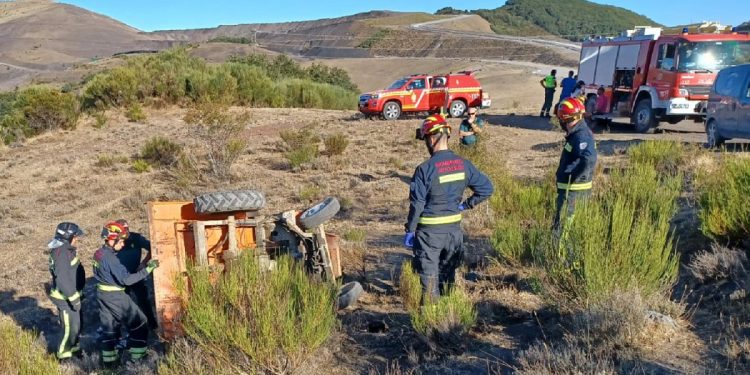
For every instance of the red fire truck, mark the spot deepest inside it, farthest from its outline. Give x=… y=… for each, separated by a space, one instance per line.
x=650 y=78
x=426 y=93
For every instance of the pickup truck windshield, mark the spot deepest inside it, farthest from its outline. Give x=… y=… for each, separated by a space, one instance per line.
x=710 y=57
x=398 y=84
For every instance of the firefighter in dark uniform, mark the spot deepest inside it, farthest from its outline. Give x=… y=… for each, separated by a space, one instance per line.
x=116 y=308
x=68 y=279
x=130 y=257
x=433 y=227
x=578 y=160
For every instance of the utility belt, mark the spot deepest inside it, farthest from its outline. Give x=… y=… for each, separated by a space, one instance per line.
x=110 y=288
x=575 y=186
x=439 y=220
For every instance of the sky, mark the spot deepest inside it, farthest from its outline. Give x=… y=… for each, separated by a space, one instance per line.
x=149 y=15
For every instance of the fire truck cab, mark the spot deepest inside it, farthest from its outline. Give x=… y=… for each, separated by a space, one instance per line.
x=649 y=78
x=426 y=93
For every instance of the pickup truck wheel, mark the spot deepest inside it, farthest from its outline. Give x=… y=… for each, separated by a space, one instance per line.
x=457 y=108
x=391 y=111
x=713 y=139
x=229 y=201
x=319 y=213
x=644 y=118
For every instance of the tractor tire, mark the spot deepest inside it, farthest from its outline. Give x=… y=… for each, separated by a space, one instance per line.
x=229 y=201
x=457 y=108
x=319 y=213
x=349 y=294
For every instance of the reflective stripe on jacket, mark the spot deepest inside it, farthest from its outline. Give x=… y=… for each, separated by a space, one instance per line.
x=578 y=159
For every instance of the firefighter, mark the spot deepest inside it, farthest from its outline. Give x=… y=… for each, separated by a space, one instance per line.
x=433 y=227
x=116 y=308
x=549 y=83
x=578 y=160
x=130 y=257
x=68 y=279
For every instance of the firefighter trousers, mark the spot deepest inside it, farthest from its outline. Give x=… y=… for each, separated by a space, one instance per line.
x=436 y=258
x=567 y=199
x=117 y=309
x=139 y=293
x=70 y=322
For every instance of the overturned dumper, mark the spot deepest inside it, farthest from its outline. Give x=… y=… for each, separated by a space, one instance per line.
x=217 y=227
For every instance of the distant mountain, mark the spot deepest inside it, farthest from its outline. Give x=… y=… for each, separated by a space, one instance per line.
x=570 y=19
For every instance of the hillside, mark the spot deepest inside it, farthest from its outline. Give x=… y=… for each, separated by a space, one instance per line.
x=572 y=19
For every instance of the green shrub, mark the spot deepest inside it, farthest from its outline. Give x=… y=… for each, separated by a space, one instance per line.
x=160 y=151
x=665 y=156
x=355 y=235
x=222 y=135
x=309 y=193
x=135 y=113
x=46 y=108
x=230 y=39
x=621 y=238
x=110 y=160
x=100 y=119
x=336 y=144
x=409 y=287
x=724 y=199
x=141 y=166
x=375 y=38
x=299 y=146
x=22 y=352
x=301 y=156
x=253 y=321
x=300 y=93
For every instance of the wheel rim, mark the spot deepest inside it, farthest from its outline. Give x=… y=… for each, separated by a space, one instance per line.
x=313 y=210
x=711 y=134
x=642 y=116
x=457 y=109
x=391 y=111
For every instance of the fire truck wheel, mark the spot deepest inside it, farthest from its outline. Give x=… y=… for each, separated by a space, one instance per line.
x=319 y=213
x=349 y=294
x=229 y=201
x=391 y=111
x=457 y=108
x=644 y=118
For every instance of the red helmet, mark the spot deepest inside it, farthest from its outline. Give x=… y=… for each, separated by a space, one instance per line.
x=435 y=124
x=114 y=231
x=570 y=109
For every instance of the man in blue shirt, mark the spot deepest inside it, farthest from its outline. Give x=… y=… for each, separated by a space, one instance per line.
x=567 y=85
x=470 y=127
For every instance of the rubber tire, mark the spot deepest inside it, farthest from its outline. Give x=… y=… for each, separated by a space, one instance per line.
x=229 y=201
x=319 y=213
x=395 y=113
x=716 y=140
x=349 y=294
x=454 y=106
x=648 y=122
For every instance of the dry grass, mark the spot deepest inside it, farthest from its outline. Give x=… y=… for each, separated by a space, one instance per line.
x=718 y=263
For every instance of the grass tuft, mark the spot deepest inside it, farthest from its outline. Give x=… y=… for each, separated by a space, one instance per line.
x=724 y=199
x=21 y=352
x=160 y=151
x=336 y=144
x=140 y=166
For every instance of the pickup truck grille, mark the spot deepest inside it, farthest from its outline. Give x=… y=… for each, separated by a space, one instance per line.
x=697 y=90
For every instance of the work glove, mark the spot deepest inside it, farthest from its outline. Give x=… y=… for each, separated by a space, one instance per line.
x=409 y=239
x=152 y=265
x=461 y=207
x=75 y=305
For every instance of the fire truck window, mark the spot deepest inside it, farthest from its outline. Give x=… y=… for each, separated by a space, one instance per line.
x=416 y=84
x=666 y=57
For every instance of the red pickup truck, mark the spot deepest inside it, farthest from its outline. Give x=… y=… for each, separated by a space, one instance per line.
x=426 y=93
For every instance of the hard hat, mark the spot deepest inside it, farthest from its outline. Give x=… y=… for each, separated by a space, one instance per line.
x=570 y=110
x=114 y=231
x=66 y=231
x=125 y=225
x=435 y=124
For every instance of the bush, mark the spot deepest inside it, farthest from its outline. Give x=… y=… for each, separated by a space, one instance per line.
x=222 y=135
x=135 y=113
x=719 y=263
x=45 y=108
x=160 y=151
x=336 y=144
x=100 y=119
x=409 y=287
x=724 y=199
x=253 y=321
x=141 y=166
x=665 y=156
x=619 y=239
x=299 y=146
x=22 y=352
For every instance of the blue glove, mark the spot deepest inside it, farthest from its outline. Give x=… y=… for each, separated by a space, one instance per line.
x=461 y=207
x=409 y=239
